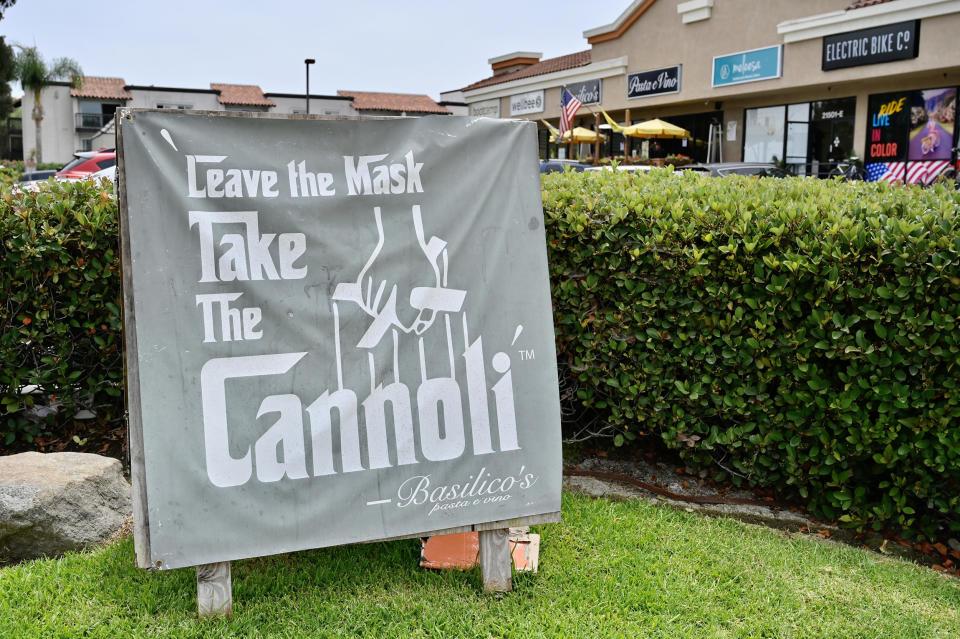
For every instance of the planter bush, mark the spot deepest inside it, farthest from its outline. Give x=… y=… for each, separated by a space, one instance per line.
x=798 y=334
x=11 y=170
x=60 y=326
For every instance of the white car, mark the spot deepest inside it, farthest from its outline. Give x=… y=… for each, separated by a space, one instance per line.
x=630 y=168
x=109 y=173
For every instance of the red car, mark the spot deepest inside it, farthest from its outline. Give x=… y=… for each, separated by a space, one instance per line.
x=86 y=162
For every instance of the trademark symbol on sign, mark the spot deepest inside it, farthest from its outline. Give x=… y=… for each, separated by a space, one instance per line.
x=526 y=354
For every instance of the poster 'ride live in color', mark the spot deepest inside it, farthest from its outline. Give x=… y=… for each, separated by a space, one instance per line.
x=337 y=331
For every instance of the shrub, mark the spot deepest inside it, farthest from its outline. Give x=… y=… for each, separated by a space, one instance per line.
x=60 y=318
x=8 y=176
x=799 y=334
x=11 y=170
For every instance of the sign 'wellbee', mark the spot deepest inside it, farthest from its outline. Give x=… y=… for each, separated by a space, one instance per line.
x=337 y=331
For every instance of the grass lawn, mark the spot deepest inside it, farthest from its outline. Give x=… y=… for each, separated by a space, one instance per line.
x=610 y=569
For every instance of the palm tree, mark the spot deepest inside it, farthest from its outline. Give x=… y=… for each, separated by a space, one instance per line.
x=34 y=75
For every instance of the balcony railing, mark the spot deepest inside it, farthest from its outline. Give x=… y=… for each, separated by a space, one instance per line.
x=92 y=121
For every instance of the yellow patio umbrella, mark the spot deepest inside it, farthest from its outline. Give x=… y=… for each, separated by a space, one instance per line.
x=655 y=129
x=580 y=134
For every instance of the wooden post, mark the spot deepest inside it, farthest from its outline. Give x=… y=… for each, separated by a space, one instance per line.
x=596 y=129
x=626 y=140
x=495 y=563
x=214 y=591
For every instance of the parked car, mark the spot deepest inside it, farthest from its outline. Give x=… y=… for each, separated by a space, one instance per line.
x=109 y=173
x=557 y=166
x=86 y=162
x=720 y=169
x=36 y=175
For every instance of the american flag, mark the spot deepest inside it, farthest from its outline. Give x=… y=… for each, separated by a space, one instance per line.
x=925 y=172
x=885 y=171
x=569 y=105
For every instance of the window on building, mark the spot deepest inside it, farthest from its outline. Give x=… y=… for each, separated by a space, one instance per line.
x=798 y=131
x=809 y=137
x=181 y=107
x=94 y=115
x=763 y=134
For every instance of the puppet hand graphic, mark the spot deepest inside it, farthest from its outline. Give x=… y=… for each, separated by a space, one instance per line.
x=379 y=297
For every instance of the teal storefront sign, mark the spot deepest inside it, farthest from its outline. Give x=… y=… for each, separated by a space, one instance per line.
x=747 y=66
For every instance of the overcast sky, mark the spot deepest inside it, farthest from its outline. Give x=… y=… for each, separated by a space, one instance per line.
x=404 y=46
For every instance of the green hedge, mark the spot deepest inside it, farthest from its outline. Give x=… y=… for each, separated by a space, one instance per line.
x=60 y=317
x=799 y=334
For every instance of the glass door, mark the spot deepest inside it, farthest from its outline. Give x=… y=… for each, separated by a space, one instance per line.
x=831 y=134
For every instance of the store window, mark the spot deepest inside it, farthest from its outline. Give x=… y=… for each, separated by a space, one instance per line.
x=763 y=134
x=810 y=138
x=798 y=132
x=698 y=124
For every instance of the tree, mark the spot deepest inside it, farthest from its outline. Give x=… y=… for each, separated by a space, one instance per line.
x=4 y=5
x=6 y=76
x=35 y=75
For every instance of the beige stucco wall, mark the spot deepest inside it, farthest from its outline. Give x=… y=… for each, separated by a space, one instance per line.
x=59 y=140
x=106 y=139
x=660 y=39
x=317 y=105
x=150 y=98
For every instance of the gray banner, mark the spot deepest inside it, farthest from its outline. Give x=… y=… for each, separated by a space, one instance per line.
x=343 y=329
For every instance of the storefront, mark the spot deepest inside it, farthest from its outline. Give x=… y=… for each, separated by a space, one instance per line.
x=809 y=138
x=801 y=86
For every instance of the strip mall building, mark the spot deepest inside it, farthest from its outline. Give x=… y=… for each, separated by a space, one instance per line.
x=806 y=83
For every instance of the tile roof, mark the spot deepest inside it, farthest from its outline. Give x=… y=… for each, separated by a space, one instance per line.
x=859 y=4
x=242 y=94
x=407 y=102
x=550 y=65
x=104 y=88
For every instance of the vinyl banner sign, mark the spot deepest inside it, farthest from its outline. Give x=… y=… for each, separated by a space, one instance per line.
x=870 y=46
x=910 y=135
x=889 y=120
x=588 y=92
x=748 y=66
x=337 y=331
x=657 y=82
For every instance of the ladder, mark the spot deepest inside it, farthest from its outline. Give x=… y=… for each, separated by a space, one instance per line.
x=715 y=142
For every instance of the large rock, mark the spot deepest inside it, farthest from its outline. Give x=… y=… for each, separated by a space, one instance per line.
x=55 y=502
